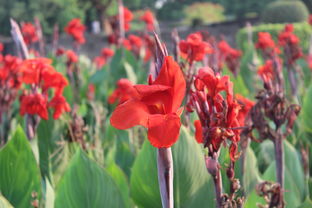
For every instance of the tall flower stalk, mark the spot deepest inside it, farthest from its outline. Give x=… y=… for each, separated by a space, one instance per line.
x=156 y=106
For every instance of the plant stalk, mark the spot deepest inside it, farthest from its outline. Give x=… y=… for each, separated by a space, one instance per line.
x=165 y=176
x=213 y=168
x=279 y=157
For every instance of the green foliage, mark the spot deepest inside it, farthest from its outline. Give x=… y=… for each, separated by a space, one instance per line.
x=285 y=12
x=204 y=12
x=49 y=12
x=302 y=30
x=172 y=11
x=190 y=175
x=4 y=203
x=85 y=184
x=20 y=174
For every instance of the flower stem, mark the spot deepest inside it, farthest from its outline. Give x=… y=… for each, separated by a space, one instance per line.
x=279 y=154
x=213 y=168
x=165 y=176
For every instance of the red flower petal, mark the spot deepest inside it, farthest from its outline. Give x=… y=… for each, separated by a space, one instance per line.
x=163 y=130
x=198 y=131
x=129 y=114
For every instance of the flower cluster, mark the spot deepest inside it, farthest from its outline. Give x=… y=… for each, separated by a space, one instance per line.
x=76 y=29
x=127 y=18
x=218 y=115
x=71 y=56
x=290 y=42
x=194 y=48
x=155 y=106
x=10 y=81
x=29 y=33
x=41 y=76
x=148 y=18
x=267 y=44
x=101 y=60
x=230 y=56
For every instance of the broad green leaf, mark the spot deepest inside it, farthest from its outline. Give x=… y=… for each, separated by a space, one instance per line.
x=306 y=111
x=121 y=181
x=253 y=199
x=99 y=76
x=130 y=73
x=250 y=175
x=292 y=192
x=190 y=173
x=306 y=204
x=292 y=163
x=85 y=184
x=20 y=174
x=4 y=203
x=44 y=132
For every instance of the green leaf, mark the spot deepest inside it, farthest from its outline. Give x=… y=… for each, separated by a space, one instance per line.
x=250 y=176
x=121 y=181
x=44 y=132
x=292 y=192
x=190 y=174
x=306 y=204
x=99 y=76
x=20 y=174
x=4 y=203
x=306 y=111
x=130 y=73
x=253 y=199
x=85 y=184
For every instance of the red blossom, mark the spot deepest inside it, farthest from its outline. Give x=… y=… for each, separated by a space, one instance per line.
x=76 y=29
x=246 y=106
x=59 y=104
x=10 y=71
x=107 y=52
x=128 y=16
x=266 y=72
x=148 y=18
x=218 y=112
x=230 y=56
x=99 y=61
x=71 y=56
x=266 y=43
x=34 y=104
x=156 y=107
x=194 y=48
x=123 y=92
x=29 y=33
x=1 y=47
x=310 y=19
x=290 y=42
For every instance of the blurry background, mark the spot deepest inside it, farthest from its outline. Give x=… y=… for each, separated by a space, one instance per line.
x=219 y=17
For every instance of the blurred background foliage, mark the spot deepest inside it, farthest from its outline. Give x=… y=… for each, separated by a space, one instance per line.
x=187 y=12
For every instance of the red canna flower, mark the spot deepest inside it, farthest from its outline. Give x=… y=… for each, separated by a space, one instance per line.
x=230 y=56
x=194 y=48
x=128 y=16
x=59 y=104
x=126 y=43
x=54 y=79
x=32 y=70
x=218 y=112
x=29 y=33
x=34 y=104
x=246 y=106
x=76 y=29
x=290 y=42
x=266 y=72
x=123 y=92
x=1 y=47
x=156 y=107
x=107 y=52
x=266 y=43
x=148 y=18
x=198 y=131
x=71 y=56
x=99 y=61
x=135 y=41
